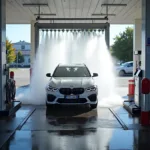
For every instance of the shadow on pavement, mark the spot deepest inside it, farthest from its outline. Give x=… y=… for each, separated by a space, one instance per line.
x=67 y=111
x=72 y=116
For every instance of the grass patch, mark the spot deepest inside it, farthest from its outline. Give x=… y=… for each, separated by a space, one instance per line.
x=14 y=69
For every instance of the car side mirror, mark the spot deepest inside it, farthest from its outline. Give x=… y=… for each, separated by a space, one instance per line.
x=48 y=75
x=95 y=74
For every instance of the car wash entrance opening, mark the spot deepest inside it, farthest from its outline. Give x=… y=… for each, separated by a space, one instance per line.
x=67 y=46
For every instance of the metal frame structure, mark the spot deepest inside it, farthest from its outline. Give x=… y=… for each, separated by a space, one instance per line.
x=82 y=26
x=2 y=54
x=72 y=19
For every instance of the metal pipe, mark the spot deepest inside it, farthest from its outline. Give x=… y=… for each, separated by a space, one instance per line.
x=45 y=14
x=36 y=37
x=71 y=25
x=64 y=19
x=115 y=5
x=103 y=14
x=107 y=35
x=35 y=4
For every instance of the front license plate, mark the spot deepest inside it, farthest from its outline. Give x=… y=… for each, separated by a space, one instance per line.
x=71 y=97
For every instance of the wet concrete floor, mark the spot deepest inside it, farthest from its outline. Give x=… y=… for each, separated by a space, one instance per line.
x=73 y=128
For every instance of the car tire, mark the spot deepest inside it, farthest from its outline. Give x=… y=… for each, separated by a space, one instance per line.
x=121 y=73
x=93 y=106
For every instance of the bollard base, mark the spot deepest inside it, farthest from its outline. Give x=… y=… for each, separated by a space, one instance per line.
x=130 y=97
x=11 y=109
x=132 y=108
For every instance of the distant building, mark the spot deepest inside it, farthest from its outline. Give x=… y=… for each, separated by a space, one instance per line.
x=25 y=48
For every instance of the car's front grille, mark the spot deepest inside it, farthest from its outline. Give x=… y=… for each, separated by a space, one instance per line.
x=50 y=98
x=79 y=100
x=65 y=91
x=69 y=91
x=93 y=97
x=76 y=91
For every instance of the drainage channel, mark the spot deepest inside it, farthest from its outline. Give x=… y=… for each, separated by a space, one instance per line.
x=124 y=126
x=25 y=119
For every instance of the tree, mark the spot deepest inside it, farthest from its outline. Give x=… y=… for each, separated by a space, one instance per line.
x=122 y=48
x=11 y=56
x=19 y=57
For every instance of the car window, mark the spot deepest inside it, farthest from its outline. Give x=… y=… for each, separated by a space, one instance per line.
x=130 y=65
x=71 y=72
x=127 y=64
x=124 y=64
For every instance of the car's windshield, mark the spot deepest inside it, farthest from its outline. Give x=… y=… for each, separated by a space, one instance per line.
x=124 y=64
x=71 y=72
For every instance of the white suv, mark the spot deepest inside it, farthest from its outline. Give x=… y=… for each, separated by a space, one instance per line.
x=125 y=68
x=73 y=85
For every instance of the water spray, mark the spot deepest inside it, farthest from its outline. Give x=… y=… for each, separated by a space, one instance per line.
x=66 y=47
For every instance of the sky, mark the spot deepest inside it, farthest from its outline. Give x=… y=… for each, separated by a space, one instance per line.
x=19 y=32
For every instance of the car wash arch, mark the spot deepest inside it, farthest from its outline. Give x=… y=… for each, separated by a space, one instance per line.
x=48 y=27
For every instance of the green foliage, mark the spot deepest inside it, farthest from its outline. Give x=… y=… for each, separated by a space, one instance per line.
x=122 y=48
x=19 y=57
x=11 y=56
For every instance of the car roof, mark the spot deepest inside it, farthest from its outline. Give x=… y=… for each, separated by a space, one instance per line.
x=71 y=65
x=128 y=62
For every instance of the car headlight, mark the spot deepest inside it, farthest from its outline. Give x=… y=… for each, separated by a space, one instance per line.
x=52 y=89
x=92 y=88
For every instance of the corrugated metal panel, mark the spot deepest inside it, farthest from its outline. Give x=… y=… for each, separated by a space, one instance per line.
x=93 y=5
x=99 y=8
x=16 y=13
x=52 y=7
x=133 y=11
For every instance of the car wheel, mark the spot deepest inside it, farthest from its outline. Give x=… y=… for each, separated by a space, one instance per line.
x=122 y=73
x=93 y=106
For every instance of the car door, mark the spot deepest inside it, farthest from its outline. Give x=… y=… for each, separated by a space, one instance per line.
x=130 y=67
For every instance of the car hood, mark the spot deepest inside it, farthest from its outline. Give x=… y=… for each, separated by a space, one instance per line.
x=71 y=82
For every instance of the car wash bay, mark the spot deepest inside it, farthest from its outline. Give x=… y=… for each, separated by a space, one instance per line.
x=77 y=127
x=33 y=127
